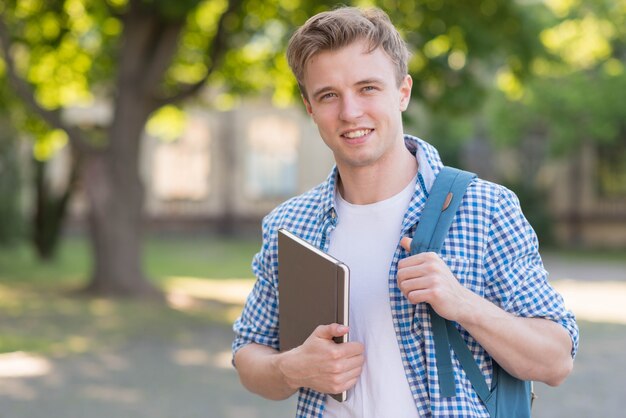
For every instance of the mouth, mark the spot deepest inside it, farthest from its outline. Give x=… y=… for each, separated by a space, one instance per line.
x=357 y=135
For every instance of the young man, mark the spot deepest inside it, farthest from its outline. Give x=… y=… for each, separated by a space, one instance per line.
x=351 y=66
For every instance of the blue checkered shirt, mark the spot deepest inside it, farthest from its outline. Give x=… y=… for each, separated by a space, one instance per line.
x=490 y=248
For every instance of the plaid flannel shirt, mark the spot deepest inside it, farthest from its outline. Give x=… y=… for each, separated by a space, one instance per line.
x=491 y=249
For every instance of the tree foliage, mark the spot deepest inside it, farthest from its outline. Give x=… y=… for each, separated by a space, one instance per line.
x=457 y=46
x=131 y=62
x=67 y=50
x=575 y=94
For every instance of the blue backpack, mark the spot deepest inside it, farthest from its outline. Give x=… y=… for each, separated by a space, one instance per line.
x=508 y=396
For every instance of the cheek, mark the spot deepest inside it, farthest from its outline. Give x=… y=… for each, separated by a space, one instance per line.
x=323 y=118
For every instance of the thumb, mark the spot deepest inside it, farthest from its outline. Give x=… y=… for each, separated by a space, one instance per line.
x=406 y=243
x=327 y=332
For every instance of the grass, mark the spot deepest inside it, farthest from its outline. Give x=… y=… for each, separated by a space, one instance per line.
x=57 y=323
x=164 y=257
x=39 y=312
x=200 y=257
x=19 y=265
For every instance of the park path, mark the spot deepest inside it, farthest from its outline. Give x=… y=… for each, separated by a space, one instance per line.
x=193 y=377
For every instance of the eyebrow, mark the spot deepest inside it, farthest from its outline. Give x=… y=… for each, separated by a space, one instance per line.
x=371 y=81
x=366 y=81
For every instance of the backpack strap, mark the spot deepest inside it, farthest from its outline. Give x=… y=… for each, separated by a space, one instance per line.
x=468 y=362
x=443 y=202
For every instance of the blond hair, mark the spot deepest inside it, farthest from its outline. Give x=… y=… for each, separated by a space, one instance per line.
x=335 y=29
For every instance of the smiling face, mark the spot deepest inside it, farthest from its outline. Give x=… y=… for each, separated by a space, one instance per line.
x=356 y=103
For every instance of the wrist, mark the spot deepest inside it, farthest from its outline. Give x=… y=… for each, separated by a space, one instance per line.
x=468 y=314
x=280 y=363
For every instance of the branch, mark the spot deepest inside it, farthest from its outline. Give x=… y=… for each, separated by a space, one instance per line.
x=113 y=11
x=25 y=92
x=136 y=42
x=184 y=92
x=216 y=51
x=163 y=47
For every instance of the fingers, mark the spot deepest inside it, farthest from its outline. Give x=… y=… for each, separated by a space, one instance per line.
x=354 y=362
x=345 y=380
x=349 y=349
x=327 y=332
x=417 y=290
x=323 y=365
x=323 y=335
x=405 y=242
x=415 y=268
x=344 y=373
x=419 y=259
x=345 y=364
x=419 y=296
x=426 y=278
x=420 y=276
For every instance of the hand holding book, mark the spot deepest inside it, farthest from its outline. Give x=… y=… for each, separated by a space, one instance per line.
x=321 y=364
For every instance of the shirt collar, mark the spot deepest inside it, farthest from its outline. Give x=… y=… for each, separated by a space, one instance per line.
x=428 y=159
x=429 y=163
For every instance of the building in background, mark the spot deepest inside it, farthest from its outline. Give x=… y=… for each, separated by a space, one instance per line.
x=229 y=169
x=588 y=197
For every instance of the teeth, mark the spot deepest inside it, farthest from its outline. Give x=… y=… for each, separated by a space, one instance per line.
x=357 y=134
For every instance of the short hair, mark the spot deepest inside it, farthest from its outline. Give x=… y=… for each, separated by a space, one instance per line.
x=335 y=29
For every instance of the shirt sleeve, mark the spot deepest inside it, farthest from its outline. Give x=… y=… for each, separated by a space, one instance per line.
x=258 y=322
x=515 y=276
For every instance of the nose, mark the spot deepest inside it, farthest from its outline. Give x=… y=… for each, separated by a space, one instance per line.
x=351 y=108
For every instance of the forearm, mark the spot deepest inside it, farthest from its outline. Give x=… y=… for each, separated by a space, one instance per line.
x=319 y=363
x=528 y=348
x=258 y=370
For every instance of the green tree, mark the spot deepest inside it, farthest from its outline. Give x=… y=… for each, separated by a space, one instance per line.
x=11 y=222
x=142 y=56
x=61 y=53
x=458 y=45
x=573 y=96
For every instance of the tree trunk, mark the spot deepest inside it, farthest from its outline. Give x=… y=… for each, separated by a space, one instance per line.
x=110 y=174
x=113 y=181
x=228 y=159
x=116 y=233
x=51 y=209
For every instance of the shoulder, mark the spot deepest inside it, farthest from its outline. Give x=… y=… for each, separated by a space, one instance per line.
x=489 y=192
x=298 y=211
x=487 y=200
x=498 y=212
x=298 y=215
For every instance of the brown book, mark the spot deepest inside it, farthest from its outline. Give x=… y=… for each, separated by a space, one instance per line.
x=313 y=289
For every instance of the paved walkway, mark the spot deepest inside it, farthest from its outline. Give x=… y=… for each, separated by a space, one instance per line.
x=193 y=378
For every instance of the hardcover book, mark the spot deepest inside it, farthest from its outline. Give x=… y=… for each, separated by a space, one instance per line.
x=313 y=289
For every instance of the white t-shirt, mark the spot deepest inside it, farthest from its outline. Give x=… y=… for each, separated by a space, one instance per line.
x=365 y=239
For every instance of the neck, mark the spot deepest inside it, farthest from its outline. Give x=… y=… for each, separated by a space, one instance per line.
x=371 y=184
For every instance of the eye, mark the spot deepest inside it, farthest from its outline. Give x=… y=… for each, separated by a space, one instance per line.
x=327 y=96
x=368 y=89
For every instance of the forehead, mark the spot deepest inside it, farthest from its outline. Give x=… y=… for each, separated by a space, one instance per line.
x=349 y=63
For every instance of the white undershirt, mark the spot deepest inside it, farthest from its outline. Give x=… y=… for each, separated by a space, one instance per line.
x=366 y=238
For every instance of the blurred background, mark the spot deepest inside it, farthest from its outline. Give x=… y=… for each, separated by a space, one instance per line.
x=142 y=142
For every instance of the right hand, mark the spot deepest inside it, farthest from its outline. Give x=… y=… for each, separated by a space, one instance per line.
x=321 y=364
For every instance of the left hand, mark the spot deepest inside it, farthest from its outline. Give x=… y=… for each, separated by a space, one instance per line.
x=427 y=278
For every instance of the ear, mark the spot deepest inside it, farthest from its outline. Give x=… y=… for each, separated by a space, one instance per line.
x=405 y=92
